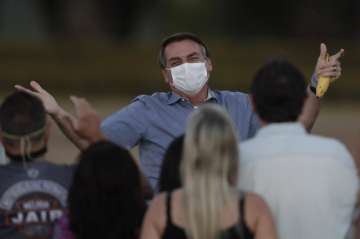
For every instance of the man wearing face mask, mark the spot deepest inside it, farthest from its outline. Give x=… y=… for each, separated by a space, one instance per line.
x=152 y=122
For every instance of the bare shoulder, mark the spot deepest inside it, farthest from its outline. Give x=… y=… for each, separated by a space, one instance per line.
x=255 y=202
x=255 y=209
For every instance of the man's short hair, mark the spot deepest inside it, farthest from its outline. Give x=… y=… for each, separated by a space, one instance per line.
x=181 y=36
x=278 y=91
x=21 y=114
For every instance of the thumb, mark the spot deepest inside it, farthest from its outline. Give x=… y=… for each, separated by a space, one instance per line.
x=75 y=101
x=323 y=51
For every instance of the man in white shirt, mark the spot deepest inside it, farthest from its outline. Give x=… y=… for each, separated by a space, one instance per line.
x=309 y=182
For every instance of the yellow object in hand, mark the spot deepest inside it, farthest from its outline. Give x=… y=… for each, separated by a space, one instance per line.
x=322 y=86
x=323 y=83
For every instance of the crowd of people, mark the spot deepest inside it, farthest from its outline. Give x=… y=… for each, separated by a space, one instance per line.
x=213 y=164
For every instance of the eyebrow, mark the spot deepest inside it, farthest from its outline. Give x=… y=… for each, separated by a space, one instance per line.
x=179 y=57
x=193 y=54
x=176 y=58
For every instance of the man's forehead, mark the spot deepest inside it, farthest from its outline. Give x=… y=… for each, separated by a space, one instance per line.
x=182 y=48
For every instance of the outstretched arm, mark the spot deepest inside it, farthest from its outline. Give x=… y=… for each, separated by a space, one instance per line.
x=86 y=125
x=330 y=67
x=62 y=118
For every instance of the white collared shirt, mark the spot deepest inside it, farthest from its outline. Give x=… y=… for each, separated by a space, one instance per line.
x=309 y=182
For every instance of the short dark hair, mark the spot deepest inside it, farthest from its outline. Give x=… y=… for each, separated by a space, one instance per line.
x=170 y=170
x=181 y=36
x=106 y=198
x=21 y=114
x=278 y=91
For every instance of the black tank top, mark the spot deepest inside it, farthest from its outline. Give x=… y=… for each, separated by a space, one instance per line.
x=238 y=231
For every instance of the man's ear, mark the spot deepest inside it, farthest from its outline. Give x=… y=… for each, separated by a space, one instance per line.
x=166 y=76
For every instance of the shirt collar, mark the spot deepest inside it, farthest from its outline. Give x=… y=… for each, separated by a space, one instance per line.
x=174 y=98
x=290 y=128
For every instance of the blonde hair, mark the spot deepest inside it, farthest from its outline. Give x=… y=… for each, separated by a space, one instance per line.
x=210 y=160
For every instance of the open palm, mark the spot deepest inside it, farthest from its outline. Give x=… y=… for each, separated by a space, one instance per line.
x=50 y=104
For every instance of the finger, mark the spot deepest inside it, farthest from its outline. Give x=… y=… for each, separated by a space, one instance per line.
x=23 y=89
x=74 y=122
x=81 y=105
x=330 y=69
x=337 y=55
x=323 y=51
x=337 y=76
x=329 y=65
x=75 y=101
x=36 y=86
x=329 y=74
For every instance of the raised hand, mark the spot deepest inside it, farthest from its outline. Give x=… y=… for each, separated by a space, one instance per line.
x=87 y=121
x=50 y=104
x=328 y=66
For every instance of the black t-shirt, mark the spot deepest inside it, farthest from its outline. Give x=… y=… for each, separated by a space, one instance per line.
x=32 y=197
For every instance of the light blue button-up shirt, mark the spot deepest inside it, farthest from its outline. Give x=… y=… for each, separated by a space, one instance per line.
x=152 y=122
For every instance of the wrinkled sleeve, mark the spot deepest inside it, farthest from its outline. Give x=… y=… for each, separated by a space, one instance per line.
x=127 y=126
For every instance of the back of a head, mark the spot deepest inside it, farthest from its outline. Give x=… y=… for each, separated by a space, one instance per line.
x=170 y=169
x=22 y=116
x=278 y=92
x=106 y=198
x=209 y=163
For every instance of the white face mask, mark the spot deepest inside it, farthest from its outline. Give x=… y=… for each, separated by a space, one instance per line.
x=189 y=77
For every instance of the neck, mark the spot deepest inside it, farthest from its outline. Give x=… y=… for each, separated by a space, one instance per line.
x=196 y=99
x=29 y=157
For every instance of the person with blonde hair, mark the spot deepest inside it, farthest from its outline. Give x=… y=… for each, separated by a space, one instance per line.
x=208 y=206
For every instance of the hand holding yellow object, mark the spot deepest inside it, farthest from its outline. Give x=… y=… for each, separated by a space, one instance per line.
x=328 y=69
x=323 y=83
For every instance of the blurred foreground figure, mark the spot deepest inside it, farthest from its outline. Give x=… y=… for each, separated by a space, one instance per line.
x=33 y=192
x=309 y=182
x=106 y=198
x=208 y=205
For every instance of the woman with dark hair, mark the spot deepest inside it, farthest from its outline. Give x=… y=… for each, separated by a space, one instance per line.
x=170 y=169
x=105 y=199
